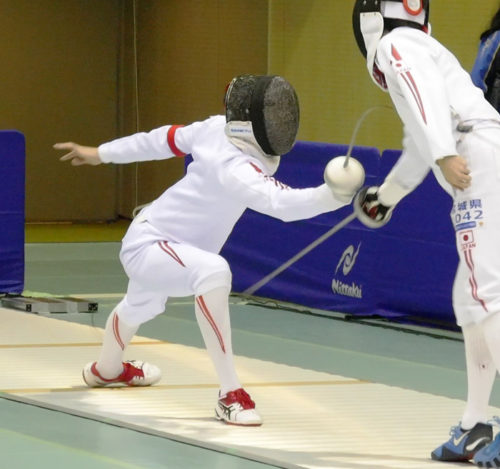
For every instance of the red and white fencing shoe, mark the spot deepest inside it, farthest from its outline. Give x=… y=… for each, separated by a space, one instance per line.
x=237 y=408
x=135 y=373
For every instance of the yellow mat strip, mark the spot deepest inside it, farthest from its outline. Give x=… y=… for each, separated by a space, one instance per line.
x=81 y=344
x=161 y=387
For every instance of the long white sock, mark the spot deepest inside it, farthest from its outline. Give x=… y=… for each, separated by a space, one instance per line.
x=117 y=335
x=212 y=314
x=480 y=375
x=491 y=331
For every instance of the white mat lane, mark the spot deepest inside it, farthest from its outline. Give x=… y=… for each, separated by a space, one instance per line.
x=312 y=419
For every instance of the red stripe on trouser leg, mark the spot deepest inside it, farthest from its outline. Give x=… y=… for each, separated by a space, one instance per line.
x=204 y=309
x=168 y=249
x=116 y=331
x=472 y=279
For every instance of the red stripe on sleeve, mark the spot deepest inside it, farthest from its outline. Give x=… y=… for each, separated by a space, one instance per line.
x=409 y=80
x=171 y=140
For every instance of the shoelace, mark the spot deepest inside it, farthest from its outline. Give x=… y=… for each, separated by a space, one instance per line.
x=131 y=371
x=244 y=399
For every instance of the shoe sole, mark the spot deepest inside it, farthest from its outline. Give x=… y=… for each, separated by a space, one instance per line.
x=116 y=384
x=237 y=424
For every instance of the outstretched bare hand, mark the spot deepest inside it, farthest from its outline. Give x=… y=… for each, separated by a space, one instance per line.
x=78 y=154
x=455 y=171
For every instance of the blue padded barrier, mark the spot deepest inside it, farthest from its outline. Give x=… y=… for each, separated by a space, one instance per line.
x=260 y=243
x=12 y=201
x=402 y=271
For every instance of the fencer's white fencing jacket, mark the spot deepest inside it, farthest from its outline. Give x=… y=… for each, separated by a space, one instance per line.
x=202 y=208
x=432 y=94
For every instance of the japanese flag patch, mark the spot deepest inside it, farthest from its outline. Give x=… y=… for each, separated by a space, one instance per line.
x=466 y=239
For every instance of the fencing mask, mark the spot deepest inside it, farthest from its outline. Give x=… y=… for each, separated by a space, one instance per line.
x=262 y=111
x=371 y=18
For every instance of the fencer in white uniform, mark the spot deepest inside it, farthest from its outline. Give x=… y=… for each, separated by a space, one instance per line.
x=172 y=246
x=451 y=129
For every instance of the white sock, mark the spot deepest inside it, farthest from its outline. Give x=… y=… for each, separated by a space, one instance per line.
x=212 y=314
x=117 y=335
x=481 y=373
x=491 y=331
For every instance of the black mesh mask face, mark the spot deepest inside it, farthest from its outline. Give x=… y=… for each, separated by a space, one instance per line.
x=270 y=103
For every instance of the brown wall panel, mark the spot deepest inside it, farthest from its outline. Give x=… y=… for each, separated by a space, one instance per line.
x=69 y=73
x=186 y=53
x=59 y=83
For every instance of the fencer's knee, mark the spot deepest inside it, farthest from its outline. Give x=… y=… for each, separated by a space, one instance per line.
x=138 y=311
x=215 y=275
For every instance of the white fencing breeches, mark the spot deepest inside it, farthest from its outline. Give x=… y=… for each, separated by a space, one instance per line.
x=158 y=269
x=476 y=217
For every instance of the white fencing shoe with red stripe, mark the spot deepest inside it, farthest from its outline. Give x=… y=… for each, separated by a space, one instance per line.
x=237 y=408
x=135 y=373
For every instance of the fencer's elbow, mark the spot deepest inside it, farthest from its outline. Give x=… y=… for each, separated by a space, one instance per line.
x=288 y=218
x=285 y=215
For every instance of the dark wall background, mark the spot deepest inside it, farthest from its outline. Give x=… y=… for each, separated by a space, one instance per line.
x=58 y=81
x=187 y=51
x=69 y=70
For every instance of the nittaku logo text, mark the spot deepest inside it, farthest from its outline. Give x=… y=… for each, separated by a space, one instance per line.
x=341 y=288
x=347 y=261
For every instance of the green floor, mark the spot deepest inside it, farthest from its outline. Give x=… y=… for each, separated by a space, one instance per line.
x=415 y=358
x=35 y=437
